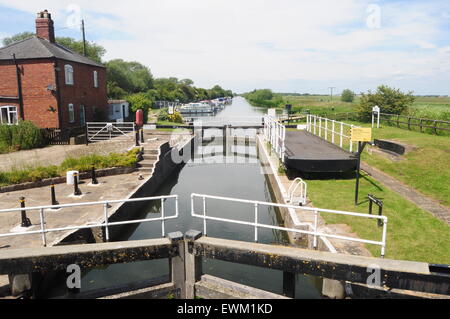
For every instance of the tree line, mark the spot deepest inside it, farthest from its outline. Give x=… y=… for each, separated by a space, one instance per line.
x=390 y=100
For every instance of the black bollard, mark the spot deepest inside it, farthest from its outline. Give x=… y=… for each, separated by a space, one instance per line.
x=142 y=135
x=94 y=177
x=137 y=138
x=54 y=201
x=25 y=221
x=76 y=189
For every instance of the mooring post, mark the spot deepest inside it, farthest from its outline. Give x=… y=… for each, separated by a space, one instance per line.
x=94 y=177
x=289 y=284
x=53 y=194
x=142 y=134
x=177 y=267
x=25 y=220
x=76 y=189
x=193 y=263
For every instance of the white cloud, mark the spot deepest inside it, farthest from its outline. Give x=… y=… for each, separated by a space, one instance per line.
x=241 y=44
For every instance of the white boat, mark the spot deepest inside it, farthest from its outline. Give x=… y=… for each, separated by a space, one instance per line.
x=196 y=108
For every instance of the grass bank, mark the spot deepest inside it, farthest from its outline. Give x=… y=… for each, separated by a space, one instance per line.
x=413 y=234
x=425 y=167
x=81 y=164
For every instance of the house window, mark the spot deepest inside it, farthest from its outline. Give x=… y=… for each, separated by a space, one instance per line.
x=71 y=113
x=68 y=71
x=95 y=79
x=8 y=115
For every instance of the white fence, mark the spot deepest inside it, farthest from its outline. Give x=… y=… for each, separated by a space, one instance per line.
x=338 y=133
x=106 y=204
x=275 y=133
x=102 y=131
x=315 y=233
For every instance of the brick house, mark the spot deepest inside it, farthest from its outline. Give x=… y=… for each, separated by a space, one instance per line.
x=48 y=84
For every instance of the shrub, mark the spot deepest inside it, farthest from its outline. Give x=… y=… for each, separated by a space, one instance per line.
x=175 y=118
x=389 y=100
x=23 y=136
x=347 y=96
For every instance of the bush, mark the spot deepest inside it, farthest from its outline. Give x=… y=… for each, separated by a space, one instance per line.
x=347 y=96
x=390 y=100
x=175 y=118
x=23 y=136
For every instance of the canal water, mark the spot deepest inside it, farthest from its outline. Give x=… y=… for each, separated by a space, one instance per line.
x=212 y=173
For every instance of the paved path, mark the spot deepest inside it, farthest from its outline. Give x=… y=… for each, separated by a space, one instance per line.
x=424 y=202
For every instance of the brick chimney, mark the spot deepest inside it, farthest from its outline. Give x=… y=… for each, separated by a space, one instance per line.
x=44 y=26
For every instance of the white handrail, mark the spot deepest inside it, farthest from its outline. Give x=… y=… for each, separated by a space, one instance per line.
x=298 y=182
x=313 y=127
x=315 y=233
x=275 y=133
x=106 y=224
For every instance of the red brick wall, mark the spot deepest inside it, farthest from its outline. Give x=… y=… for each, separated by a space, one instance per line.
x=36 y=76
x=82 y=92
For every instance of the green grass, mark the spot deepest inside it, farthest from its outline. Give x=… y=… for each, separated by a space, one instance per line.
x=81 y=164
x=437 y=108
x=413 y=234
x=426 y=168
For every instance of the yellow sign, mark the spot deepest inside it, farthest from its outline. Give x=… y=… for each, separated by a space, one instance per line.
x=361 y=134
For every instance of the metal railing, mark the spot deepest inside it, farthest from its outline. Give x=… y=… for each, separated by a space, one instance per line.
x=315 y=233
x=302 y=199
x=106 y=204
x=275 y=133
x=102 y=131
x=322 y=127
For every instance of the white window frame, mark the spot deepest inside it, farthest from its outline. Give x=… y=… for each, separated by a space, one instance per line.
x=95 y=79
x=68 y=72
x=71 y=113
x=10 y=111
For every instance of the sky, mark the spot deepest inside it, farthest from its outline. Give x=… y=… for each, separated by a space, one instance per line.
x=285 y=45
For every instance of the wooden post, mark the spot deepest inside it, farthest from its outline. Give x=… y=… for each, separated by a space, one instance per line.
x=193 y=263
x=177 y=270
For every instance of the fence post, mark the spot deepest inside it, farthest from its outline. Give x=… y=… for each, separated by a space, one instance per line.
x=177 y=268
x=193 y=263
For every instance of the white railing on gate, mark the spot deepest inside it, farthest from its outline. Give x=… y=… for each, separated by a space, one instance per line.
x=315 y=233
x=322 y=127
x=106 y=224
x=275 y=133
x=295 y=185
x=102 y=131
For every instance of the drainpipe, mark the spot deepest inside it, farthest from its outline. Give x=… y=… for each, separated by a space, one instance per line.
x=19 y=88
x=58 y=94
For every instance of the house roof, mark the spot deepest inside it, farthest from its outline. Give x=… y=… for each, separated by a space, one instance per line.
x=38 y=48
